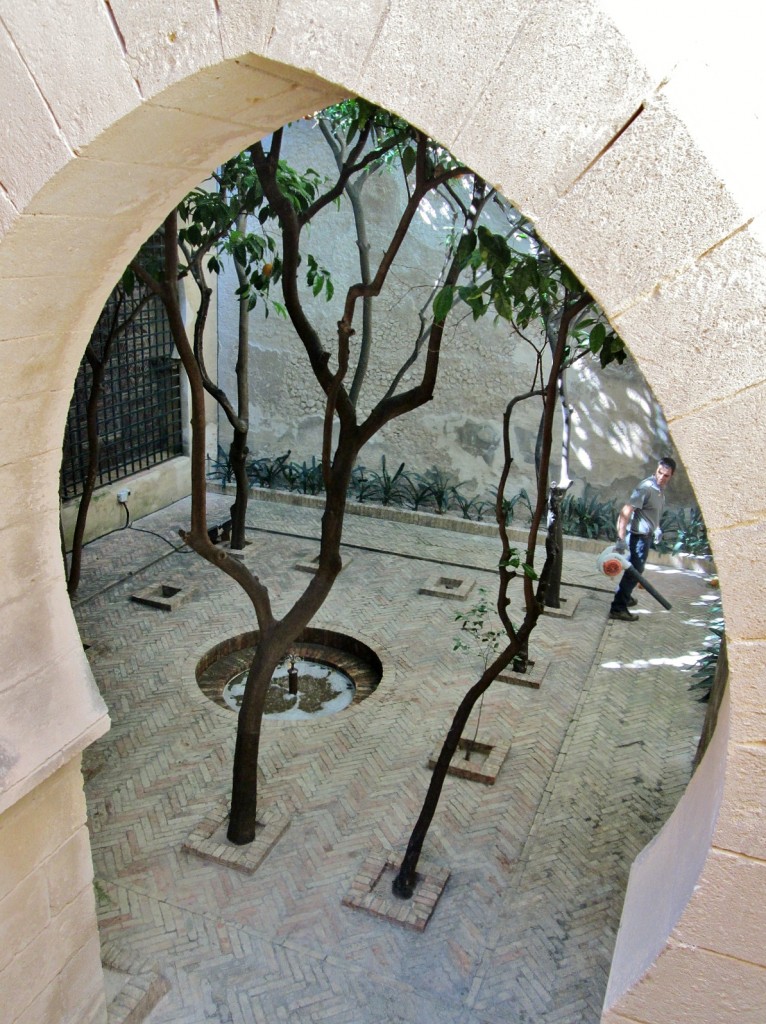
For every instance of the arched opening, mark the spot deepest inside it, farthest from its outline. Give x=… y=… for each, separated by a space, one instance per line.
x=704 y=235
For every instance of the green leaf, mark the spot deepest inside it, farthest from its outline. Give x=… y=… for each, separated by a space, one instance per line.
x=465 y=248
x=408 y=159
x=597 y=336
x=443 y=303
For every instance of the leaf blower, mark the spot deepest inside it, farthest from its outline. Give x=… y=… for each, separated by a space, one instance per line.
x=612 y=562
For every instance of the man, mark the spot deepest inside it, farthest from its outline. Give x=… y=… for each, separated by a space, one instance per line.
x=639 y=519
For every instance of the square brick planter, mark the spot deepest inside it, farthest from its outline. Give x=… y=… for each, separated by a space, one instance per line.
x=371 y=891
x=485 y=762
x=166 y=596
x=532 y=678
x=567 y=609
x=450 y=587
x=208 y=840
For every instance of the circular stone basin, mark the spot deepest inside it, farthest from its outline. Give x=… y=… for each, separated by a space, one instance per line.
x=322 y=690
x=334 y=671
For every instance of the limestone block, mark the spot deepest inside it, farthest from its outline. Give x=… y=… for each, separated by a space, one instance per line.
x=69 y=871
x=245 y=27
x=81 y=983
x=46 y=957
x=166 y=42
x=8 y=214
x=526 y=147
x=58 y=42
x=28 y=562
x=743 y=592
x=32 y=304
x=23 y=915
x=257 y=94
x=172 y=139
x=33 y=829
x=57 y=247
x=46 y=1006
x=50 y=707
x=104 y=190
x=417 y=41
x=75 y=924
x=688 y=985
x=648 y=208
x=680 y=57
x=721 y=453
x=326 y=40
x=28 y=127
x=28 y=424
x=741 y=825
x=29 y=487
x=26 y=362
x=44 y=618
x=239 y=91
x=714 y=310
x=75 y=996
x=747 y=681
x=727 y=912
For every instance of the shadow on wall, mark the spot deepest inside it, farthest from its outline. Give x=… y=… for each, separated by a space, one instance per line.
x=618 y=431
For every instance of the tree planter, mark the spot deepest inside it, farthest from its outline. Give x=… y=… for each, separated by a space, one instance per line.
x=484 y=763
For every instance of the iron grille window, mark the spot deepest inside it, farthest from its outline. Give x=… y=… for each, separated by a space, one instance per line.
x=139 y=415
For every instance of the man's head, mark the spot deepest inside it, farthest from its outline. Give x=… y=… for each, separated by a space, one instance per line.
x=665 y=469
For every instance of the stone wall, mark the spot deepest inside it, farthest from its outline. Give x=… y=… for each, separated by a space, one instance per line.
x=618 y=429
x=50 y=960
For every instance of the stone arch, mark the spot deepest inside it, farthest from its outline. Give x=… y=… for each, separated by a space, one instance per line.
x=117 y=114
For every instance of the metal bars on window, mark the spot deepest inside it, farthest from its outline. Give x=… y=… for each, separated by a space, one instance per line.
x=139 y=412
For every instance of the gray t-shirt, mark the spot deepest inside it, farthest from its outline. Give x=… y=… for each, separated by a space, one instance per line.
x=648 y=503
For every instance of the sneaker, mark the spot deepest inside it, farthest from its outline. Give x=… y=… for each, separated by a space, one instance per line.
x=632 y=602
x=625 y=616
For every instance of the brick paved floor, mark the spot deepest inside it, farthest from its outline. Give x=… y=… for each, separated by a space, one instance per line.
x=538 y=862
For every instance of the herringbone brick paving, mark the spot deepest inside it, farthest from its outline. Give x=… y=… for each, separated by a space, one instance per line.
x=524 y=931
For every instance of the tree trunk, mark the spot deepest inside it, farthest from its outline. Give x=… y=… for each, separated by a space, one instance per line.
x=556 y=537
x=238 y=453
x=91 y=476
x=275 y=643
x=404 y=883
x=244 y=789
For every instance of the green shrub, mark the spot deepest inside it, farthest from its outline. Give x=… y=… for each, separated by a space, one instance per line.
x=685 y=532
x=587 y=516
x=220 y=469
x=704 y=671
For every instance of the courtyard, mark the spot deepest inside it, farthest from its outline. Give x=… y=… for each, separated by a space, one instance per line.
x=524 y=931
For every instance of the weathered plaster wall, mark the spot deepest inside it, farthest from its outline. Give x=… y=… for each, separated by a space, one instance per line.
x=618 y=430
x=632 y=130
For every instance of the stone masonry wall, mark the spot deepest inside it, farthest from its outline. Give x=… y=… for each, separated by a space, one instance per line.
x=49 y=950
